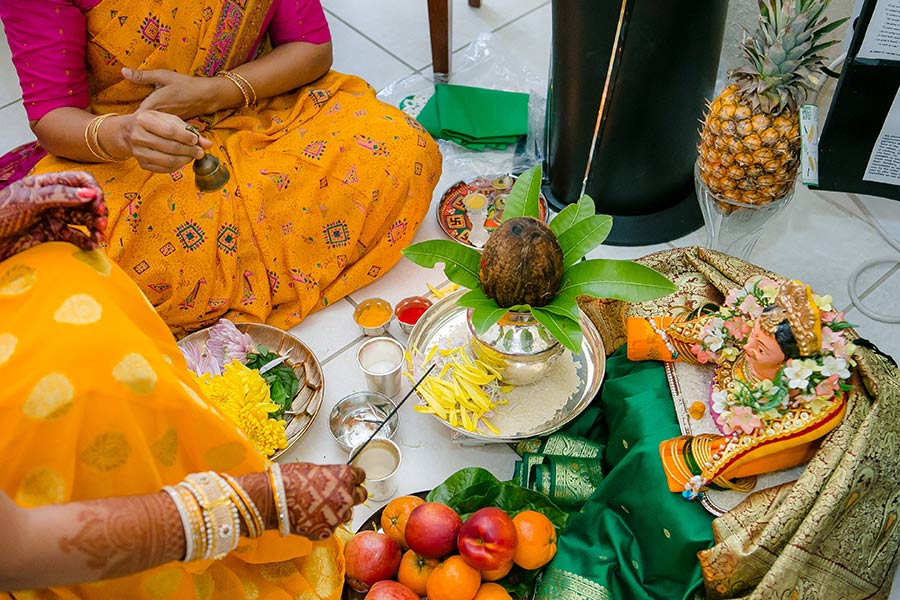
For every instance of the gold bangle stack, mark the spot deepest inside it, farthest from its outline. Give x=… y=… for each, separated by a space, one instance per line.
x=277 y=481
x=246 y=507
x=92 y=139
x=192 y=520
x=247 y=90
x=220 y=515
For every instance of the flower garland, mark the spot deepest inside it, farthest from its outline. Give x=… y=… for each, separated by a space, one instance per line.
x=746 y=403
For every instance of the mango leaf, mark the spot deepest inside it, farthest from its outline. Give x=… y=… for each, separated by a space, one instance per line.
x=473 y=298
x=619 y=279
x=566 y=330
x=564 y=306
x=484 y=315
x=573 y=214
x=524 y=197
x=581 y=238
x=461 y=263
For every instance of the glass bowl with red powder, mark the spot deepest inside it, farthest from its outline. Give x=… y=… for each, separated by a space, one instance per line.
x=409 y=310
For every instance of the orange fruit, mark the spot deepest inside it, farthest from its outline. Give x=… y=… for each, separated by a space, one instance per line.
x=537 y=540
x=395 y=515
x=492 y=591
x=414 y=571
x=453 y=579
x=499 y=573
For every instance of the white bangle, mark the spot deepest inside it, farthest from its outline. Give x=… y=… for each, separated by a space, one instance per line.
x=185 y=522
x=281 y=507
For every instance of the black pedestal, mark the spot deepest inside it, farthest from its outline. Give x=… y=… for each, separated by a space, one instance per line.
x=628 y=83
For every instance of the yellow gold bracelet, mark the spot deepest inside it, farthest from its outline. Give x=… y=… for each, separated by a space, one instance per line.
x=192 y=519
x=220 y=515
x=242 y=84
x=281 y=507
x=252 y=516
x=92 y=138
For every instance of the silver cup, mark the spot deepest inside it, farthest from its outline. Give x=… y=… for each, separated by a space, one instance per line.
x=381 y=359
x=380 y=459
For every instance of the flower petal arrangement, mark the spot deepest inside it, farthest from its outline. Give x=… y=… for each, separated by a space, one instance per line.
x=526 y=265
x=250 y=384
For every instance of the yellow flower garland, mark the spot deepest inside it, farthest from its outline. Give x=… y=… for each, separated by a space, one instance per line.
x=243 y=396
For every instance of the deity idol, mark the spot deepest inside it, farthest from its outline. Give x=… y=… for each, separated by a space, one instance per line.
x=783 y=361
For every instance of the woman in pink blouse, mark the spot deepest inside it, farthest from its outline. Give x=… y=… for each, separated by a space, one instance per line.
x=327 y=184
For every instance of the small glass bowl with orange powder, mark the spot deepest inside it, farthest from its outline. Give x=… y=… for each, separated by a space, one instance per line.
x=373 y=316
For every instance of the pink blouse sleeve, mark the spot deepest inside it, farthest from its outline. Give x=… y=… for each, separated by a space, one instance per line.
x=48 y=41
x=298 y=21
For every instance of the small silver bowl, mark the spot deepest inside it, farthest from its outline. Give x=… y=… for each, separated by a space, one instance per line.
x=376 y=306
x=355 y=417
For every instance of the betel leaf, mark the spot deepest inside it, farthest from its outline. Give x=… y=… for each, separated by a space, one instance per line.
x=486 y=314
x=573 y=214
x=619 y=279
x=525 y=196
x=565 y=329
x=461 y=263
x=581 y=238
x=458 y=482
x=282 y=380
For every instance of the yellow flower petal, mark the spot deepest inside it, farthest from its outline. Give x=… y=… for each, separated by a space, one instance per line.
x=79 y=309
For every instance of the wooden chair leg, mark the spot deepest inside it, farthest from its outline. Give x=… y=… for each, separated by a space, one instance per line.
x=440 y=19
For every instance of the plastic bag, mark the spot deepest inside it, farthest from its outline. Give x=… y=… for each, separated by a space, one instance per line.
x=481 y=64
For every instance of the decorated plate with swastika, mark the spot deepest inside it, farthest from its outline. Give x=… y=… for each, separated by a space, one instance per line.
x=451 y=210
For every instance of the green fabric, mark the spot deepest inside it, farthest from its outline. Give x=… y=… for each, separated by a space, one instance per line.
x=633 y=538
x=476 y=118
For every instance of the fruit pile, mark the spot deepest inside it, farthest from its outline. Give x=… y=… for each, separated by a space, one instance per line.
x=427 y=550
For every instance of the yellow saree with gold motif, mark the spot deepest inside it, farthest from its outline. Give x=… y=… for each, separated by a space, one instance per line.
x=327 y=183
x=97 y=401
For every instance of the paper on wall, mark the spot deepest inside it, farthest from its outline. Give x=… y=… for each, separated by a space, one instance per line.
x=882 y=41
x=884 y=162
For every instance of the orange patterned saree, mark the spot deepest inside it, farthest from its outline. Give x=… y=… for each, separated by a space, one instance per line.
x=327 y=184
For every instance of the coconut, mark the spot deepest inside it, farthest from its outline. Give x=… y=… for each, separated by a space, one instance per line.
x=521 y=263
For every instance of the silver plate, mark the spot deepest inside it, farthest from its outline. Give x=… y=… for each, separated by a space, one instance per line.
x=301 y=359
x=445 y=317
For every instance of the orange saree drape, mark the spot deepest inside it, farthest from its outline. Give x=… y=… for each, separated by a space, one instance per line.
x=327 y=183
x=97 y=401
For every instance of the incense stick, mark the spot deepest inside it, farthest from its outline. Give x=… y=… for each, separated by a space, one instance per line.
x=391 y=414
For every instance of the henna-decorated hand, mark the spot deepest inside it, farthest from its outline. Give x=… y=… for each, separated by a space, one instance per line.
x=321 y=497
x=41 y=208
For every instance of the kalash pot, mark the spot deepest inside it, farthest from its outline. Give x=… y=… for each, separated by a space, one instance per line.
x=518 y=346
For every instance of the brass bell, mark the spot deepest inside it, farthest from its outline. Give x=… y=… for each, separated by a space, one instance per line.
x=209 y=173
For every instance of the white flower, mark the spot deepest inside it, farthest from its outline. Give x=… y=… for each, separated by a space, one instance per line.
x=719 y=401
x=832 y=365
x=798 y=375
x=715 y=337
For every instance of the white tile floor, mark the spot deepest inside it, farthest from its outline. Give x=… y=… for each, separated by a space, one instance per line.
x=821 y=239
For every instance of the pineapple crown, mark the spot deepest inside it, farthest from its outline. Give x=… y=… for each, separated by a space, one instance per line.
x=783 y=54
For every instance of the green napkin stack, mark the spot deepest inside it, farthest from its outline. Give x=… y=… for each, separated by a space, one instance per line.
x=476 y=118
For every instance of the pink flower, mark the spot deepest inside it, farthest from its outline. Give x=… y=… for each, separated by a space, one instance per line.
x=731 y=299
x=703 y=355
x=743 y=418
x=828 y=387
x=737 y=328
x=829 y=316
x=750 y=306
x=832 y=341
x=200 y=362
x=226 y=343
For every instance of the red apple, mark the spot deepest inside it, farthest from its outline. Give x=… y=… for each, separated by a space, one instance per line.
x=390 y=590
x=370 y=557
x=487 y=540
x=431 y=529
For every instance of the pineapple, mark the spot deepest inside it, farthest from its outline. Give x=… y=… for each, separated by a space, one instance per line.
x=750 y=141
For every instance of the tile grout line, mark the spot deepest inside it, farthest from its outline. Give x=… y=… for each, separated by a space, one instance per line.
x=388 y=52
x=11 y=103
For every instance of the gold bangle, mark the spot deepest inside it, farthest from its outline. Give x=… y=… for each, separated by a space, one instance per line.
x=220 y=515
x=247 y=90
x=192 y=520
x=250 y=512
x=281 y=507
x=92 y=138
